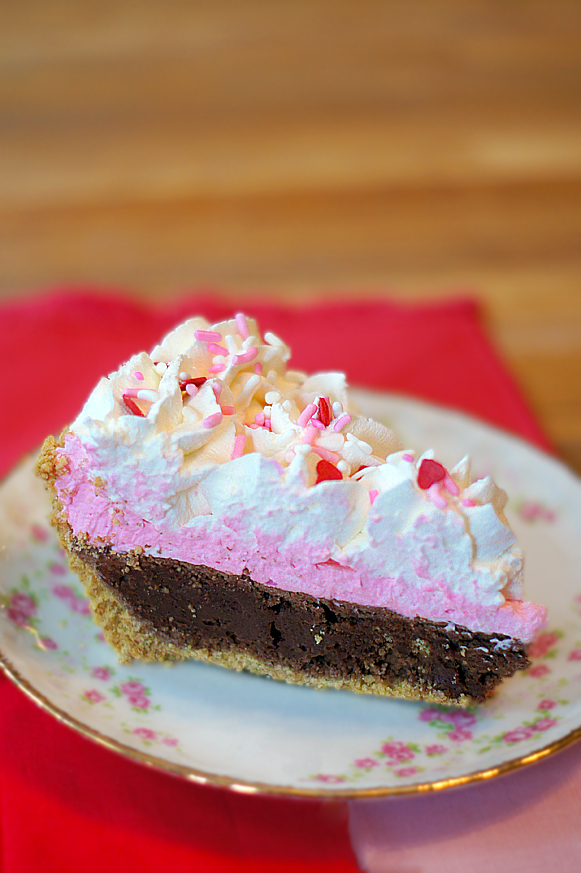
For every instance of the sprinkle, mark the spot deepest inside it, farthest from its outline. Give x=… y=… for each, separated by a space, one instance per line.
x=468 y=502
x=139 y=376
x=239 y=443
x=287 y=405
x=327 y=455
x=271 y=376
x=228 y=410
x=252 y=383
x=342 y=421
x=259 y=418
x=212 y=420
x=337 y=408
x=258 y=369
x=269 y=354
x=285 y=438
x=217 y=389
x=429 y=473
x=245 y=357
x=241 y=324
x=132 y=406
x=208 y=336
x=183 y=376
x=303 y=449
x=325 y=412
x=327 y=471
x=198 y=381
x=361 y=444
x=272 y=339
x=267 y=411
x=253 y=426
x=216 y=349
x=160 y=368
x=272 y=396
x=267 y=424
x=192 y=390
x=310 y=435
x=306 y=415
x=343 y=466
x=451 y=485
x=131 y=392
x=318 y=424
x=407 y=457
x=372 y=495
x=147 y=394
x=436 y=496
x=231 y=343
x=216 y=368
x=218 y=359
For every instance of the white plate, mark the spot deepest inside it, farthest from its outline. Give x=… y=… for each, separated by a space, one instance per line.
x=253 y=734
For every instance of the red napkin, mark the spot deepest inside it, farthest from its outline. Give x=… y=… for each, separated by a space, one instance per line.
x=67 y=804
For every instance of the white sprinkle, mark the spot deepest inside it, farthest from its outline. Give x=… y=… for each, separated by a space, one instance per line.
x=272 y=376
x=337 y=408
x=268 y=355
x=287 y=405
x=365 y=447
x=147 y=394
x=267 y=411
x=231 y=344
x=272 y=339
x=303 y=449
x=160 y=368
x=249 y=388
x=218 y=359
x=343 y=466
x=183 y=375
x=285 y=438
x=272 y=396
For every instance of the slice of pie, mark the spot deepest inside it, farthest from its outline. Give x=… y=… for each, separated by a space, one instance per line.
x=219 y=506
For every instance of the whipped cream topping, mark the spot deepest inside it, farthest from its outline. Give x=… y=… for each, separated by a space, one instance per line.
x=210 y=450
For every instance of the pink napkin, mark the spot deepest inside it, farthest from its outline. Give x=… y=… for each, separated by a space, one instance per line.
x=68 y=804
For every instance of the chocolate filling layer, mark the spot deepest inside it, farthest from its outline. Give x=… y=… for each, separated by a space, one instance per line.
x=198 y=607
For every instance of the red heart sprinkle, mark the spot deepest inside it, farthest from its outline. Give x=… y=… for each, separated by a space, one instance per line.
x=325 y=414
x=327 y=470
x=430 y=472
x=132 y=406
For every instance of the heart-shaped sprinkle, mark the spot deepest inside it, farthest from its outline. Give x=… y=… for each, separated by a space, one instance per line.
x=327 y=470
x=430 y=472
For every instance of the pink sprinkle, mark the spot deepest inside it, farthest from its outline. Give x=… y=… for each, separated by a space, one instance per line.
x=407 y=457
x=318 y=424
x=212 y=420
x=253 y=426
x=468 y=502
x=326 y=454
x=436 y=496
x=267 y=424
x=242 y=325
x=258 y=369
x=372 y=495
x=131 y=392
x=228 y=410
x=245 y=357
x=208 y=336
x=307 y=414
x=139 y=376
x=239 y=443
x=310 y=435
x=259 y=418
x=192 y=390
x=451 y=485
x=342 y=421
x=217 y=368
x=216 y=349
x=217 y=389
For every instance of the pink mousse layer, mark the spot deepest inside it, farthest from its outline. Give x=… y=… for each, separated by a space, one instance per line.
x=303 y=568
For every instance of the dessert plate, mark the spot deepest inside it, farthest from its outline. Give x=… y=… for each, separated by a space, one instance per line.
x=256 y=735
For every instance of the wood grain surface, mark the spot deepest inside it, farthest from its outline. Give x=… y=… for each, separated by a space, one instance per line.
x=306 y=148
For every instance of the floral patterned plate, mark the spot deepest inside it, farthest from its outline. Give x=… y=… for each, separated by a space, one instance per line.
x=253 y=734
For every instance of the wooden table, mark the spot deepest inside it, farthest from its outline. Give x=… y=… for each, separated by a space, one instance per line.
x=306 y=148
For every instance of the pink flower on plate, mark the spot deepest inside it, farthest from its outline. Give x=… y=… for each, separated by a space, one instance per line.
x=406 y=771
x=144 y=733
x=17 y=617
x=326 y=777
x=397 y=751
x=93 y=696
x=40 y=534
x=543 y=644
x=170 y=741
x=366 y=762
x=63 y=591
x=516 y=736
x=24 y=604
x=132 y=688
x=436 y=750
x=49 y=643
x=58 y=569
x=459 y=718
x=80 y=606
x=547 y=704
x=430 y=715
x=544 y=724
x=103 y=673
x=539 y=670
x=460 y=735
x=575 y=655
x=140 y=701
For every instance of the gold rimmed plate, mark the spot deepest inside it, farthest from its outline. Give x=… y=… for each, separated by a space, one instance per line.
x=256 y=735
